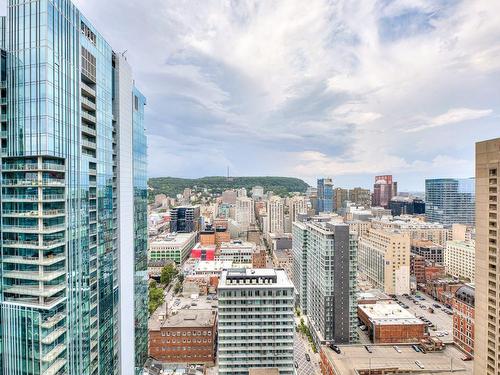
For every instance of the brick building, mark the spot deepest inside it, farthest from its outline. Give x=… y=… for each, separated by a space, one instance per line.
x=387 y=322
x=259 y=259
x=417 y=268
x=186 y=337
x=463 y=318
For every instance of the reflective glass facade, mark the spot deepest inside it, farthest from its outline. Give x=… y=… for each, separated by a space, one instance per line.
x=450 y=200
x=60 y=258
x=325 y=195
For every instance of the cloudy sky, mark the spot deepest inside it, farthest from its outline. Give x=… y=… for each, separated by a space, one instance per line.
x=346 y=89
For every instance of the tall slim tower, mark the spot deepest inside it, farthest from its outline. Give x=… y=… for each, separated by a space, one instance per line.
x=487 y=318
x=73 y=198
x=325 y=195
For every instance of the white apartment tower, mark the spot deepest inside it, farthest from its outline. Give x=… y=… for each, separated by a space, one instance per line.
x=256 y=324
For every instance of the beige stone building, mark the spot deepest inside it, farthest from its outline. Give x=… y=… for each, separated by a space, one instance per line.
x=460 y=259
x=384 y=258
x=487 y=327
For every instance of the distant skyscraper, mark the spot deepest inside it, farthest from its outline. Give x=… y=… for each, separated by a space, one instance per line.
x=325 y=195
x=256 y=324
x=296 y=205
x=383 y=191
x=73 y=262
x=324 y=263
x=487 y=319
x=450 y=200
x=245 y=212
x=276 y=215
x=360 y=197
x=340 y=197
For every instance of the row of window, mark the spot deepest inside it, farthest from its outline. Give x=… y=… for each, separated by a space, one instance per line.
x=187 y=333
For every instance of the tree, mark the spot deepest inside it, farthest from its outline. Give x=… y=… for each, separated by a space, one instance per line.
x=178 y=288
x=167 y=274
x=156 y=298
x=180 y=277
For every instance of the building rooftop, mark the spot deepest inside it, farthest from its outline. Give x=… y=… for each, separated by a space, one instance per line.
x=251 y=277
x=184 y=313
x=388 y=313
x=354 y=359
x=173 y=239
x=190 y=318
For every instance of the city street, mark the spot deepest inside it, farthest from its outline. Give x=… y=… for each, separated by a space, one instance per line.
x=300 y=348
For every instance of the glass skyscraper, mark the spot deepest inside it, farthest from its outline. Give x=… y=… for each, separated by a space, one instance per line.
x=450 y=200
x=73 y=280
x=325 y=195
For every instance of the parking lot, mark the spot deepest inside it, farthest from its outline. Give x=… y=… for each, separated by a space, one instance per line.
x=442 y=321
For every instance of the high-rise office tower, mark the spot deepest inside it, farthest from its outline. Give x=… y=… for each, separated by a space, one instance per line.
x=245 y=214
x=450 y=200
x=487 y=319
x=383 y=191
x=276 y=215
x=330 y=279
x=325 y=195
x=256 y=324
x=384 y=258
x=73 y=288
x=360 y=197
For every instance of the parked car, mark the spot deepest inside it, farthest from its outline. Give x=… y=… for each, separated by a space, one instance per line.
x=335 y=348
x=308 y=358
x=368 y=349
x=296 y=364
x=416 y=348
x=396 y=348
x=467 y=358
x=419 y=364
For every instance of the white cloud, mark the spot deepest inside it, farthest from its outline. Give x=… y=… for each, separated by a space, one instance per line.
x=453 y=116
x=332 y=87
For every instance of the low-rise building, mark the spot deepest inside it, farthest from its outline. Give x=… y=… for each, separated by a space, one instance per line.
x=189 y=336
x=460 y=259
x=429 y=250
x=238 y=252
x=463 y=318
x=387 y=322
x=173 y=246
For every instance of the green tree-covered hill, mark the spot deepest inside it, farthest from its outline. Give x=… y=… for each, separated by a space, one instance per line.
x=216 y=184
